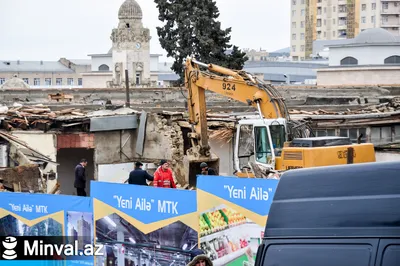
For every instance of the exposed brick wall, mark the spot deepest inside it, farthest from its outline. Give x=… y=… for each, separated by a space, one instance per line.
x=80 y=140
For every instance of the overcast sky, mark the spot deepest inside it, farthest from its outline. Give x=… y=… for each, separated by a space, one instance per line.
x=50 y=29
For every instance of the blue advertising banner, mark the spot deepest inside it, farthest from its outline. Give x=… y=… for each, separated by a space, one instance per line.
x=28 y=216
x=139 y=224
x=232 y=214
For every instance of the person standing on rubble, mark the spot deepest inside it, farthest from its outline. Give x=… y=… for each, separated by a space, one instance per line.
x=139 y=176
x=80 y=178
x=205 y=170
x=163 y=177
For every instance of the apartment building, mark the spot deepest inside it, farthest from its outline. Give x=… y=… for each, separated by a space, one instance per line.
x=338 y=19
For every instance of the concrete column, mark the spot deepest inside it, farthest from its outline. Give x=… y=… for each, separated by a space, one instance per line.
x=120 y=238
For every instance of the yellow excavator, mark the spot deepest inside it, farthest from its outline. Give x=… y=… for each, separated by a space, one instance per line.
x=265 y=143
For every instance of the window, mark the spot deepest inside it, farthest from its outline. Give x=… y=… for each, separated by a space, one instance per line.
x=278 y=136
x=319 y=23
x=325 y=132
x=342 y=8
x=36 y=81
x=363 y=20
x=324 y=22
x=391 y=255
x=293 y=36
x=104 y=68
x=301 y=36
x=373 y=6
x=246 y=145
x=303 y=12
x=293 y=25
x=354 y=133
x=385 y=18
x=47 y=81
x=342 y=21
x=385 y=5
x=263 y=148
x=80 y=82
x=70 y=81
x=293 y=13
x=137 y=78
x=302 y=48
x=319 y=11
x=349 y=61
x=324 y=34
x=26 y=80
x=334 y=34
x=305 y=254
x=334 y=9
x=303 y=2
x=395 y=59
x=364 y=7
x=302 y=24
x=372 y=19
x=294 y=2
x=2 y=81
x=324 y=9
x=334 y=21
x=58 y=81
x=294 y=48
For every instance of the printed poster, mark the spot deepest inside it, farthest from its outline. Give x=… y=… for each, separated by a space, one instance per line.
x=45 y=215
x=141 y=225
x=232 y=216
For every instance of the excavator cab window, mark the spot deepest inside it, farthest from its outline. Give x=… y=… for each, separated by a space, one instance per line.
x=262 y=146
x=278 y=134
x=246 y=145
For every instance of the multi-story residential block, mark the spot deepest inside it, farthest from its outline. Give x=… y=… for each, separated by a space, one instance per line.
x=338 y=19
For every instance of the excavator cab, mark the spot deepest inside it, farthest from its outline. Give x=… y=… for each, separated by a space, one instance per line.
x=259 y=141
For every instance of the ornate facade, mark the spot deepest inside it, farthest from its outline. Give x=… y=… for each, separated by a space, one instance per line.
x=130 y=47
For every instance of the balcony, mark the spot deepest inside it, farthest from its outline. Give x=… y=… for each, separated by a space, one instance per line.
x=391 y=11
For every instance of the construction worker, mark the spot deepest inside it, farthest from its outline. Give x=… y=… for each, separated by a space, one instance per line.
x=163 y=177
x=139 y=176
x=205 y=170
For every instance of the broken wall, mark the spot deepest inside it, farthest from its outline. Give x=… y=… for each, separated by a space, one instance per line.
x=44 y=143
x=224 y=150
x=163 y=140
x=27 y=177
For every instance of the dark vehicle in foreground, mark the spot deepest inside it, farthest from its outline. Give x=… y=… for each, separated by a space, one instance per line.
x=347 y=215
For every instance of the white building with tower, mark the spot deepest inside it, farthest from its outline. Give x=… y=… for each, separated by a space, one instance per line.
x=130 y=51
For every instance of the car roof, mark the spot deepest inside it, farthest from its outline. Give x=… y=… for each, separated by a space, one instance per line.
x=347 y=200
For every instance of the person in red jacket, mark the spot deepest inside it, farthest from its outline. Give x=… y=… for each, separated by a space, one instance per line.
x=163 y=176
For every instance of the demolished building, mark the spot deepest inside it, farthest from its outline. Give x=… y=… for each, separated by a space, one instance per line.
x=113 y=139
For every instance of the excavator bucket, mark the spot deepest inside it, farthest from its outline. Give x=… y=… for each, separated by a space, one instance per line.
x=192 y=167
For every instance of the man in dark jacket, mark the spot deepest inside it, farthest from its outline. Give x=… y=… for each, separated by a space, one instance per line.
x=139 y=176
x=205 y=170
x=80 y=178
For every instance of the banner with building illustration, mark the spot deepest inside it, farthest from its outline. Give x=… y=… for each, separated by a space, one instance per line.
x=142 y=225
x=232 y=214
x=45 y=215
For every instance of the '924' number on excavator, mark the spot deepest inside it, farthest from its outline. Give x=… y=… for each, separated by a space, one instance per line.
x=228 y=87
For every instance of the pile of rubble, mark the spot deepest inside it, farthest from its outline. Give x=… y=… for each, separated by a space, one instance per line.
x=25 y=117
x=391 y=106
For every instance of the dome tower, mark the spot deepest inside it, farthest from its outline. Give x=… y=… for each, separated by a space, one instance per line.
x=131 y=46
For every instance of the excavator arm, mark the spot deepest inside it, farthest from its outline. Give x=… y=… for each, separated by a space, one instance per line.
x=237 y=85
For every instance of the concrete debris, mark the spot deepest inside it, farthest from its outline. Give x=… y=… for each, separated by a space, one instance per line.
x=26 y=177
x=392 y=105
